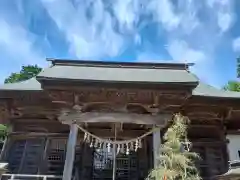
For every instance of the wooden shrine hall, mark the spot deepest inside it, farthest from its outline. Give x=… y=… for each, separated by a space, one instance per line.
x=84 y=120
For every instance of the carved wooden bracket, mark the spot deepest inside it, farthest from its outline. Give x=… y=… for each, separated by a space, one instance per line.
x=16 y=113
x=234 y=114
x=62 y=97
x=120 y=96
x=67 y=117
x=123 y=108
x=34 y=111
x=4 y=113
x=204 y=112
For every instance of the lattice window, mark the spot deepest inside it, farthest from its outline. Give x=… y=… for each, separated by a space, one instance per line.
x=56 y=156
x=212 y=160
x=102 y=164
x=31 y=161
x=15 y=155
x=25 y=156
x=37 y=155
x=127 y=166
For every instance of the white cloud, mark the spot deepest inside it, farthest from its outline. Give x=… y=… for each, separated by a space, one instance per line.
x=192 y=29
x=198 y=29
x=180 y=51
x=181 y=15
x=236 y=44
x=223 y=10
x=224 y=21
x=16 y=48
x=163 y=11
x=99 y=28
x=128 y=14
x=88 y=38
x=16 y=42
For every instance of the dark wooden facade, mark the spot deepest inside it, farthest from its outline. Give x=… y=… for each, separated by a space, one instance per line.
x=37 y=141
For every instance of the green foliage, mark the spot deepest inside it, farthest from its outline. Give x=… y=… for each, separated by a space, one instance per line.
x=3 y=131
x=232 y=86
x=238 y=67
x=175 y=161
x=27 y=72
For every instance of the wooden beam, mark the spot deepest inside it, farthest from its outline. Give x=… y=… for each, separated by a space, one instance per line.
x=204 y=126
x=106 y=133
x=36 y=134
x=99 y=117
x=233 y=132
x=209 y=143
x=156 y=147
x=70 y=154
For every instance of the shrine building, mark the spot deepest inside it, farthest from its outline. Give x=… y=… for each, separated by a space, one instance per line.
x=84 y=120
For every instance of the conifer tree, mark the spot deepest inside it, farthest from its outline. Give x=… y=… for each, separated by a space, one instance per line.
x=175 y=160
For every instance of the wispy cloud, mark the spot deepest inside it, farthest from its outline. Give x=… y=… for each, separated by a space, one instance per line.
x=104 y=28
x=236 y=44
x=194 y=29
x=16 y=44
x=88 y=27
x=153 y=30
x=223 y=12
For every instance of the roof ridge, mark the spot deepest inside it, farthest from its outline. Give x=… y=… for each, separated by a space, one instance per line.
x=117 y=64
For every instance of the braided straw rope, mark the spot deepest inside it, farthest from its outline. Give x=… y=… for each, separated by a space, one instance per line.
x=122 y=141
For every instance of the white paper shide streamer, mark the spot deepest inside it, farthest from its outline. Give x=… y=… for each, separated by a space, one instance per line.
x=124 y=146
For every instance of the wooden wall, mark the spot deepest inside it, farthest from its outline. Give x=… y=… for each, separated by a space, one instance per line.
x=210 y=143
x=38 y=146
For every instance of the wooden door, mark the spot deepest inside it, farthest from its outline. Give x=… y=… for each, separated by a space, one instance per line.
x=25 y=155
x=97 y=163
x=213 y=159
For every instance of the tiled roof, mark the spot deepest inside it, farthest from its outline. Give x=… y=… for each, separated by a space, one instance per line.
x=152 y=73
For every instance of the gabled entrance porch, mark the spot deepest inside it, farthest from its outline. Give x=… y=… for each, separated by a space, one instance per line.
x=113 y=157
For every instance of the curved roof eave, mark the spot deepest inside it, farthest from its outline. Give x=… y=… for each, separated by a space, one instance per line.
x=28 y=85
x=206 y=90
x=202 y=90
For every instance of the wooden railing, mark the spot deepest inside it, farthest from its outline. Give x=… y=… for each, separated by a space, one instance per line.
x=29 y=176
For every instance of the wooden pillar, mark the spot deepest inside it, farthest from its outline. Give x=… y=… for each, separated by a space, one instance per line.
x=156 y=147
x=70 y=154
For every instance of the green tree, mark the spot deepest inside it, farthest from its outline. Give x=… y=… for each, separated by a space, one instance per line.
x=3 y=132
x=27 y=72
x=234 y=85
x=238 y=67
x=175 y=161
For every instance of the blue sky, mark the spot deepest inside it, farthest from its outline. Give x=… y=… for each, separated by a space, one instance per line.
x=205 y=32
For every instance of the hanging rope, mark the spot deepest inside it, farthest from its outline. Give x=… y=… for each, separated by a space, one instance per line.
x=119 y=142
x=121 y=146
